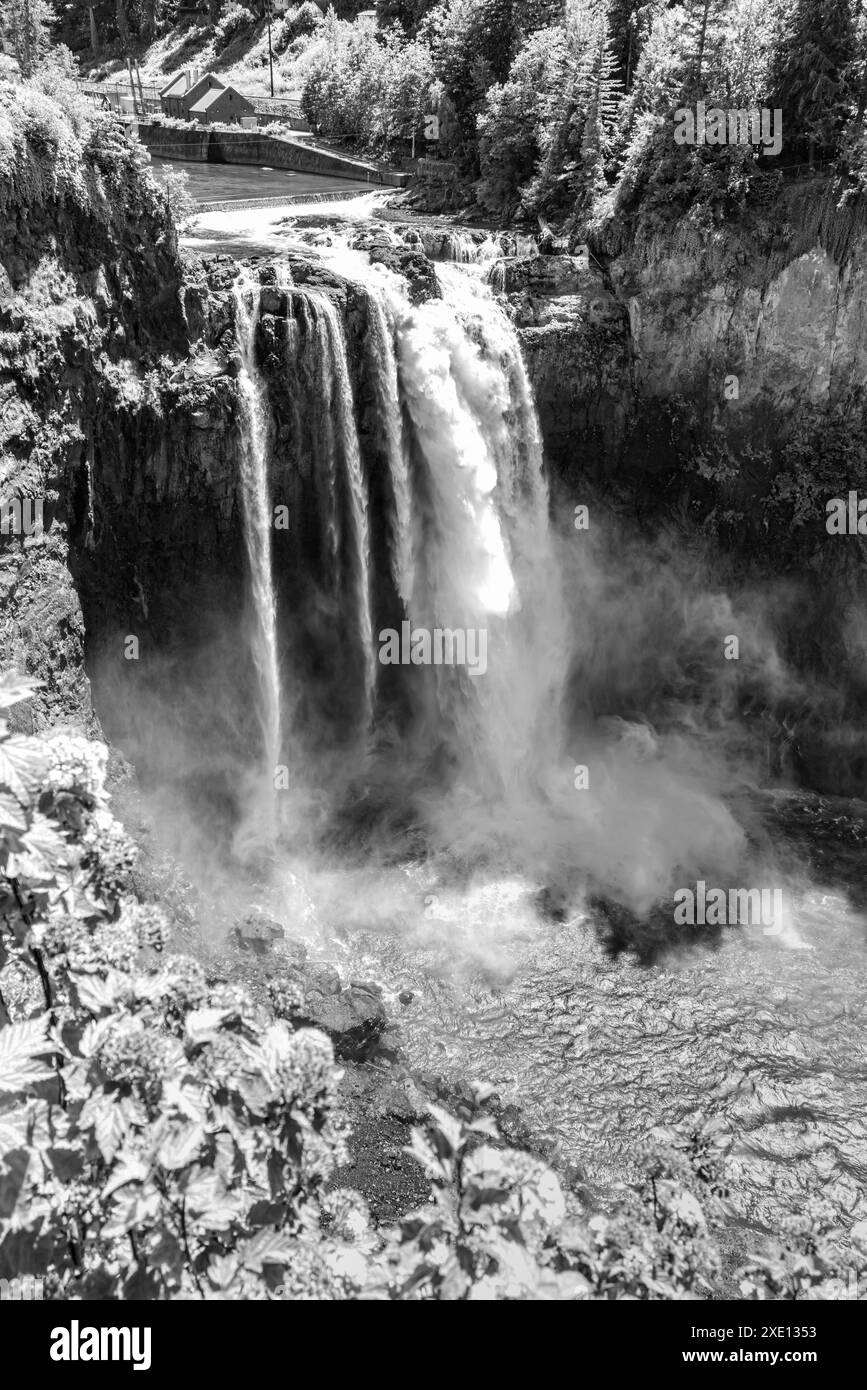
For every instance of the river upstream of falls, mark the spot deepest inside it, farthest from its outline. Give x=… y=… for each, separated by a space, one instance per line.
x=445 y=847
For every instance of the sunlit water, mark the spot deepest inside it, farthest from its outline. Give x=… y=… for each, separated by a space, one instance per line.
x=594 y=1051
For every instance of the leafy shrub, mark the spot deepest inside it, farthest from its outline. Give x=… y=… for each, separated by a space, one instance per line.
x=237 y=20
x=57 y=147
x=297 y=23
x=500 y=1227
x=161 y=1136
x=366 y=87
x=808 y=1260
x=180 y=202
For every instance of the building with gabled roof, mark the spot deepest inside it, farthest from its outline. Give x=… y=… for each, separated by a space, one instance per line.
x=171 y=96
x=222 y=105
x=206 y=83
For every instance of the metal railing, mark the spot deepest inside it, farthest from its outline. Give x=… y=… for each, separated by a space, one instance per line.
x=123 y=99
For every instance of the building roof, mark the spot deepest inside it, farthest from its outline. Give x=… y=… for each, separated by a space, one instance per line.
x=176 y=87
x=207 y=101
x=206 y=83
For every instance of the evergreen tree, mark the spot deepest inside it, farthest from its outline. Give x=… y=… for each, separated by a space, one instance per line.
x=704 y=32
x=529 y=16
x=629 y=23
x=810 y=77
x=574 y=139
x=473 y=44
x=603 y=91
x=748 y=38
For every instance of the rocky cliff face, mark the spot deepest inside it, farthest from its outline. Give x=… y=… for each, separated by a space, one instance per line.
x=89 y=304
x=575 y=336
x=785 y=314
x=693 y=380
x=743 y=340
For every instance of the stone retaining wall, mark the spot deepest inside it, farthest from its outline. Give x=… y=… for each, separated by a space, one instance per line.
x=250 y=147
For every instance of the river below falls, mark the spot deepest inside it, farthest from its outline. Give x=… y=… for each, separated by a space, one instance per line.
x=595 y=1049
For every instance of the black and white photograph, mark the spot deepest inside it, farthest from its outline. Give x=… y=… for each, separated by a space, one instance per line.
x=433 y=671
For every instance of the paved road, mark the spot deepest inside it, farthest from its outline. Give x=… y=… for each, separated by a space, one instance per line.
x=213 y=183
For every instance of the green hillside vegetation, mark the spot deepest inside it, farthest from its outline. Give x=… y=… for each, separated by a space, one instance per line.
x=563 y=108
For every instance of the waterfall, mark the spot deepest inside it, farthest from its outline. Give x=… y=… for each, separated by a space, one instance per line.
x=257 y=523
x=427 y=407
x=470 y=544
x=332 y=343
x=489 y=559
x=385 y=375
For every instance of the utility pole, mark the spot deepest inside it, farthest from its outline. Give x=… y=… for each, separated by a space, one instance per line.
x=270 y=53
x=132 y=85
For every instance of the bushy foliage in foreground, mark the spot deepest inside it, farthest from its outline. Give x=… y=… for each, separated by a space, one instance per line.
x=161 y=1136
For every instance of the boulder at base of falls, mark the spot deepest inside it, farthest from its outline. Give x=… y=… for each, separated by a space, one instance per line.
x=307 y=994
x=353 y=1018
x=257 y=933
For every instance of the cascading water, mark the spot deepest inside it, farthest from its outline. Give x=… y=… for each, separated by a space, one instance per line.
x=426 y=408
x=383 y=362
x=469 y=542
x=486 y=555
x=336 y=365
x=257 y=534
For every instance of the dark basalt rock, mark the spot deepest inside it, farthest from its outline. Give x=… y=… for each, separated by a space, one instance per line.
x=408 y=261
x=353 y=1018
x=257 y=933
x=323 y=979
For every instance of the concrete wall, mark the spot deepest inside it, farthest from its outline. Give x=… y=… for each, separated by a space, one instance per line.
x=248 y=147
